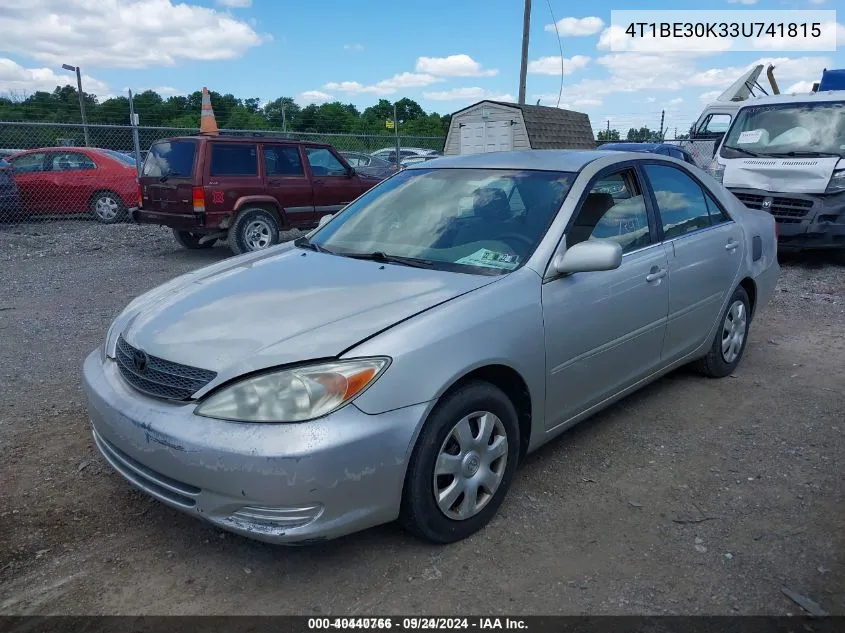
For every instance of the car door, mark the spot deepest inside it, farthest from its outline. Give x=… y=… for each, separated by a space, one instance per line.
x=285 y=180
x=30 y=179
x=231 y=174
x=705 y=250
x=604 y=330
x=335 y=185
x=70 y=181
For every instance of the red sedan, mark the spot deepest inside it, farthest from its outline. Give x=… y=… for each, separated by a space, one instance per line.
x=76 y=180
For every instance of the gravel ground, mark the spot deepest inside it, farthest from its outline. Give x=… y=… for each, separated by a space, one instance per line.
x=692 y=496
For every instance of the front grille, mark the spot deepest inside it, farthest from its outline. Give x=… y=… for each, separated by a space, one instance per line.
x=158 y=377
x=785 y=210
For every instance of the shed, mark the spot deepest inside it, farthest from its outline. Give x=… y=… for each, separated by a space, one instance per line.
x=497 y=126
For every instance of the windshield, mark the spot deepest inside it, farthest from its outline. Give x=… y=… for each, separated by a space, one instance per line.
x=170 y=158
x=788 y=129
x=468 y=220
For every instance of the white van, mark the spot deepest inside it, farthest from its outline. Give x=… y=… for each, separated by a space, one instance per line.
x=786 y=154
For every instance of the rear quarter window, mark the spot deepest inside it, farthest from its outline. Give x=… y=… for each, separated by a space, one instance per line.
x=170 y=158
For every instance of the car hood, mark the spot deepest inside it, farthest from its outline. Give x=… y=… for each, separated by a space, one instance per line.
x=781 y=175
x=287 y=305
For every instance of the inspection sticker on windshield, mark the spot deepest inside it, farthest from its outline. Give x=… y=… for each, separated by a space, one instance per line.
x=490 y=259
x=750 y=136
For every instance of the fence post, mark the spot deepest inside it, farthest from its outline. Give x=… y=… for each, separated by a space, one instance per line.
x=396 y=131
x=136 y=142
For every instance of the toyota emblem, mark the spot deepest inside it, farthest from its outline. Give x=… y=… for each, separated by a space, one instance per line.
x=140 y=360
x=767 y=203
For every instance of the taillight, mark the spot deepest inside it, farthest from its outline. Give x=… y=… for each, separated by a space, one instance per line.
x=140 y=194
x=198 y=194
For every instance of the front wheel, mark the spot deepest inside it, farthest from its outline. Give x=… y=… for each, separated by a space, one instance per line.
x=729 y=343
x=462 y=464
x=254 y=230
x=191 y=241
x=107 y=207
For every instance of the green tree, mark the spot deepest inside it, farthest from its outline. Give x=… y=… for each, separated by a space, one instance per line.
x=608 y=135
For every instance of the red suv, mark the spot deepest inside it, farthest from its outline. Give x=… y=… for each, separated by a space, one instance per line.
x=242 y=188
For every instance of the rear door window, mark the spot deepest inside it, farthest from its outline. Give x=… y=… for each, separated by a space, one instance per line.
x=170 y=158
x=680 y=201
x=282 y=160
x=71 y=161
x=231 y=159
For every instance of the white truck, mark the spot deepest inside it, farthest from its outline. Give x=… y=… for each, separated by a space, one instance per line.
x=785 y=154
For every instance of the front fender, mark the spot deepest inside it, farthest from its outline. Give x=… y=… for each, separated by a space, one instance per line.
x=498 y=324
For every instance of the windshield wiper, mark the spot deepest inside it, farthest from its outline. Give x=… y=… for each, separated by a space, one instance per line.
x=304 y=242
x=741 y=150
x=164 y=177
x=381 y=256
x=807 y=154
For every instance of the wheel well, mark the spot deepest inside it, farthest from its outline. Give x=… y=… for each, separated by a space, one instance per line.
x=267 y=206
x=750 y=288
x=515 y=388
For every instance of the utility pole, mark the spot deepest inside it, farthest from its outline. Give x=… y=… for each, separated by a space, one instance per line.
x=523 y=68
x=284 y=119
x=81 y=101
x=662 y=117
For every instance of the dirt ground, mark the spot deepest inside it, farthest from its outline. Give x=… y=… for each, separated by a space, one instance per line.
x=693 y=496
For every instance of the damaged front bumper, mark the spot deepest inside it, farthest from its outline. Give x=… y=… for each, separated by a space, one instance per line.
x=805 y=221
x=281 y=483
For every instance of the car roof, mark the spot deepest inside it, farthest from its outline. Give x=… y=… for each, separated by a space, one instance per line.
x=810 y=97
x=537 y=159
x=224 y=138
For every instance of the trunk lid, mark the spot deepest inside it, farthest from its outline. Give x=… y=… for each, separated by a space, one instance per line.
x=168 y=175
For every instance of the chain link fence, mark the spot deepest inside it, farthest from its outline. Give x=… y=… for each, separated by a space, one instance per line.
x=47 y=172
x=701 y=152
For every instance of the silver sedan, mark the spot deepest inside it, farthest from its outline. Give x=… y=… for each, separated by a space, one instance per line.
x=402 y=359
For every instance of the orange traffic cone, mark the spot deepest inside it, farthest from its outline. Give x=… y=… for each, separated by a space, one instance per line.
x=208 y=124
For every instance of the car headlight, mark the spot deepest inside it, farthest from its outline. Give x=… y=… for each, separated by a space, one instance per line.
x=717 y=170
x=837 y=182
x=297 y=394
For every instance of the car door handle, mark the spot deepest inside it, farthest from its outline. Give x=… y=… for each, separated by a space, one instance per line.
x=274 y=183
x=655 y=274
x=731 y=246
x=319 y=182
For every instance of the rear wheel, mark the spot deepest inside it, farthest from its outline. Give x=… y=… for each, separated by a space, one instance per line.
x=462 y=464
x=254 y=230
x=107 y=207
x=191 y=241
x=729 y=342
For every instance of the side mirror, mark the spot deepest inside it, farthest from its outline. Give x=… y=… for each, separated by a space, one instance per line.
x=589 y=256
x=324 y=220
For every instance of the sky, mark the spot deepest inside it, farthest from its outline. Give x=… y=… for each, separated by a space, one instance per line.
x=444 y=54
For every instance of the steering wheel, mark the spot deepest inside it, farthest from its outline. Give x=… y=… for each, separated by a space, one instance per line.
x=521 y=239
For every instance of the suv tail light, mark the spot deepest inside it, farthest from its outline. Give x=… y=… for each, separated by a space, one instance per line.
x=198 y=195
x=140 y=193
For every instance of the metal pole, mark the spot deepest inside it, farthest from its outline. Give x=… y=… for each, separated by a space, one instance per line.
x=396 y=131
x=284 y=119
x=136 y=142
x=662 y=117
x=82 y=107
x=523 y=68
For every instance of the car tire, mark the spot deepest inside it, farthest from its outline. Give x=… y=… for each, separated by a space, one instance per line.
x=191 y=241
x=107 y=207
x=730 y=340
x=253 y=230
x=453 y=436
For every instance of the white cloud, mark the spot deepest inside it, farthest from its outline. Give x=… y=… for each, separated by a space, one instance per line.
x=385 y=87
x=577 y=26
x=353 y=47
x=801 y=87
x=742 y=1
x=453 y=66
x=674 y=102
x=16 y=79
x=467 y=94
x=650 y=100
x=710 y=95
x=552 y=65
x=586 y=103
x=122 y=33
x=236 y=4
x=315 y=96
